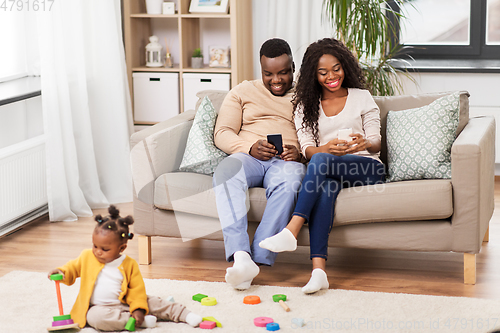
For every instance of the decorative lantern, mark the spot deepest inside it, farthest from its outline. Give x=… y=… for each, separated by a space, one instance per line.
x=153 y=53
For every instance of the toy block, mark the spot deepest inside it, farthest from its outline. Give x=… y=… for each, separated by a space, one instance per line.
x=298 y=321
x=212 y=319
x=130 y=324
x=171 y=299
x=207 y=325
x=199 y=297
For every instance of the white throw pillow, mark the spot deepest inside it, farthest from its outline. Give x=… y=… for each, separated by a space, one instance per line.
x=201 y=154
x=419 y=140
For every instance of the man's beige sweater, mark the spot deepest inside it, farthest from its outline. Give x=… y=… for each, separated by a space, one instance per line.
x=249 y=113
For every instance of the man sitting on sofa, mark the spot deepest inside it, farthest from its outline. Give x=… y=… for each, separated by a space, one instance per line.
x=250 y=112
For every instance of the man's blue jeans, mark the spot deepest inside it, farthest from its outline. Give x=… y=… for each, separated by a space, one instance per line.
x=232 y=179
x=326 y=175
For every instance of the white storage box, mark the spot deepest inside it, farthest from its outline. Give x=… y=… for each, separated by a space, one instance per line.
x=196 y=82
x=156 y=96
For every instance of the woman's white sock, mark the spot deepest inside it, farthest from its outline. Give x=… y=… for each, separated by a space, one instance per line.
x=242 y=273
x=318 y=281
x=282 y=241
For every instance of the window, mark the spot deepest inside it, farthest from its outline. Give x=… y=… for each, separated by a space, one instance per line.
x=449 y=29
x=13 y=62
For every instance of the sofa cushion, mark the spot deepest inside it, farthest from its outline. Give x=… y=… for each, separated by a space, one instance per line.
x=419 y=140
x=404 y=201
x=405 y=102
x=201 y=155
x=216 y=97
x=414 y=200
x=193 y=193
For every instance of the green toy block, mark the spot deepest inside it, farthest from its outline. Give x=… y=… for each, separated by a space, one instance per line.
x=63 y=317
x=212 y=319
x=199 y=297
x=130 y=324
x=56 y=277
x=279 y=297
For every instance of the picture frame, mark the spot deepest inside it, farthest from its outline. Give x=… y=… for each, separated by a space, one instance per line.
x=219 y=56
x=209 y=6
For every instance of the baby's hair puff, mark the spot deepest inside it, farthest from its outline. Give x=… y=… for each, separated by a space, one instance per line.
x=116 y=224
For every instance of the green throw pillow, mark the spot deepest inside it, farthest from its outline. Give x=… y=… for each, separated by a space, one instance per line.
x=201 y=154
x=419 y=140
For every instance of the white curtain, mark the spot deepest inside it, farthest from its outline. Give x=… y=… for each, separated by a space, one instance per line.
x=299 y=22
x=86 y=106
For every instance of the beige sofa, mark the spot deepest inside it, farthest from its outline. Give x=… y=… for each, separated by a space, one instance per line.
x=421 y=215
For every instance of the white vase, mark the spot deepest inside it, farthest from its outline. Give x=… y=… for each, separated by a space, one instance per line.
x=154 y=6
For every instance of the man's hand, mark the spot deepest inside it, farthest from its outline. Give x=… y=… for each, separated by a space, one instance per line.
x=263 y=150
x=138 y=314
x=290 y=153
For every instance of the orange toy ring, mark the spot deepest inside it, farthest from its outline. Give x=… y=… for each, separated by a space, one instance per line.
x=251 y=300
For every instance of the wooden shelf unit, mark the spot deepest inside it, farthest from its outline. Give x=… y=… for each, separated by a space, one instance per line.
x=138 y=29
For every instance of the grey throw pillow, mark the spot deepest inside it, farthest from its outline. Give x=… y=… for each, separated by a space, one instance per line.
x=419 y=140
x=201 y=154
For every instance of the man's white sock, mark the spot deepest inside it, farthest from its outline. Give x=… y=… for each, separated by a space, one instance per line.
x=240 y=276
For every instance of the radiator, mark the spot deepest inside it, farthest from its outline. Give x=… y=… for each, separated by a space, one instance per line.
x=23 y=185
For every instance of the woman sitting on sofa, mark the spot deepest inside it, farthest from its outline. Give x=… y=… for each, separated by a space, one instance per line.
x=330 y=100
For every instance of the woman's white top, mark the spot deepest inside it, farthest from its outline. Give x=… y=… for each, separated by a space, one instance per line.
x=360 y=113
x=108 y=285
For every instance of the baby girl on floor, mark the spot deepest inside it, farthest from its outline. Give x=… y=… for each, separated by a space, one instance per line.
x=112 y=289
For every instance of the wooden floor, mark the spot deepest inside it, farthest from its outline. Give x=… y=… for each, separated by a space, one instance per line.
x=42 y=246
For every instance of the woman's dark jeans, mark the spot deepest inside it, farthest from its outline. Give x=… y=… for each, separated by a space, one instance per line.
x=326 y=175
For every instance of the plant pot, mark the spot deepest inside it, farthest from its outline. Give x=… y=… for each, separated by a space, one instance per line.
x=196 y=62
x=154 y=6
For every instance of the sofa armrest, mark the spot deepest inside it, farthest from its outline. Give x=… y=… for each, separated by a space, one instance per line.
x=158 y=150
x=473 y=181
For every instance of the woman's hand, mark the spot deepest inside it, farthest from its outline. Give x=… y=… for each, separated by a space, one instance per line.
x=337 y=147
x=55 y=271
x=262 y=150
x=138 y=315
x=290 y=153
x=358 y=143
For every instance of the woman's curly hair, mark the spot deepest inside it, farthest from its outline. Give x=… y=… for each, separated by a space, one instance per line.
x=115 y=223
x=308 y=90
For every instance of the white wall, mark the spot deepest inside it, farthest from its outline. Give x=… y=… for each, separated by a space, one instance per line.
x=482 y=87
x=299 y=22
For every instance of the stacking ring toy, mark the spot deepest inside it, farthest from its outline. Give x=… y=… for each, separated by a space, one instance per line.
x=251 y=299
x=272 y=326
x=262 y=321
x=208 y=301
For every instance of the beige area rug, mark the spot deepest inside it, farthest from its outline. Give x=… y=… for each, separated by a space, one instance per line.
x=28 y=301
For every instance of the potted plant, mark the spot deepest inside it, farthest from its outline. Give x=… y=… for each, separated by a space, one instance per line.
x=365 y=28
x=197 y=58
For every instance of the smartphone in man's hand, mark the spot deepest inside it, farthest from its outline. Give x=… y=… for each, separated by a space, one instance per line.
x=277 y=141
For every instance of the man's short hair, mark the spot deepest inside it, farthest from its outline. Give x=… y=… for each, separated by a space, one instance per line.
x=275 y=47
